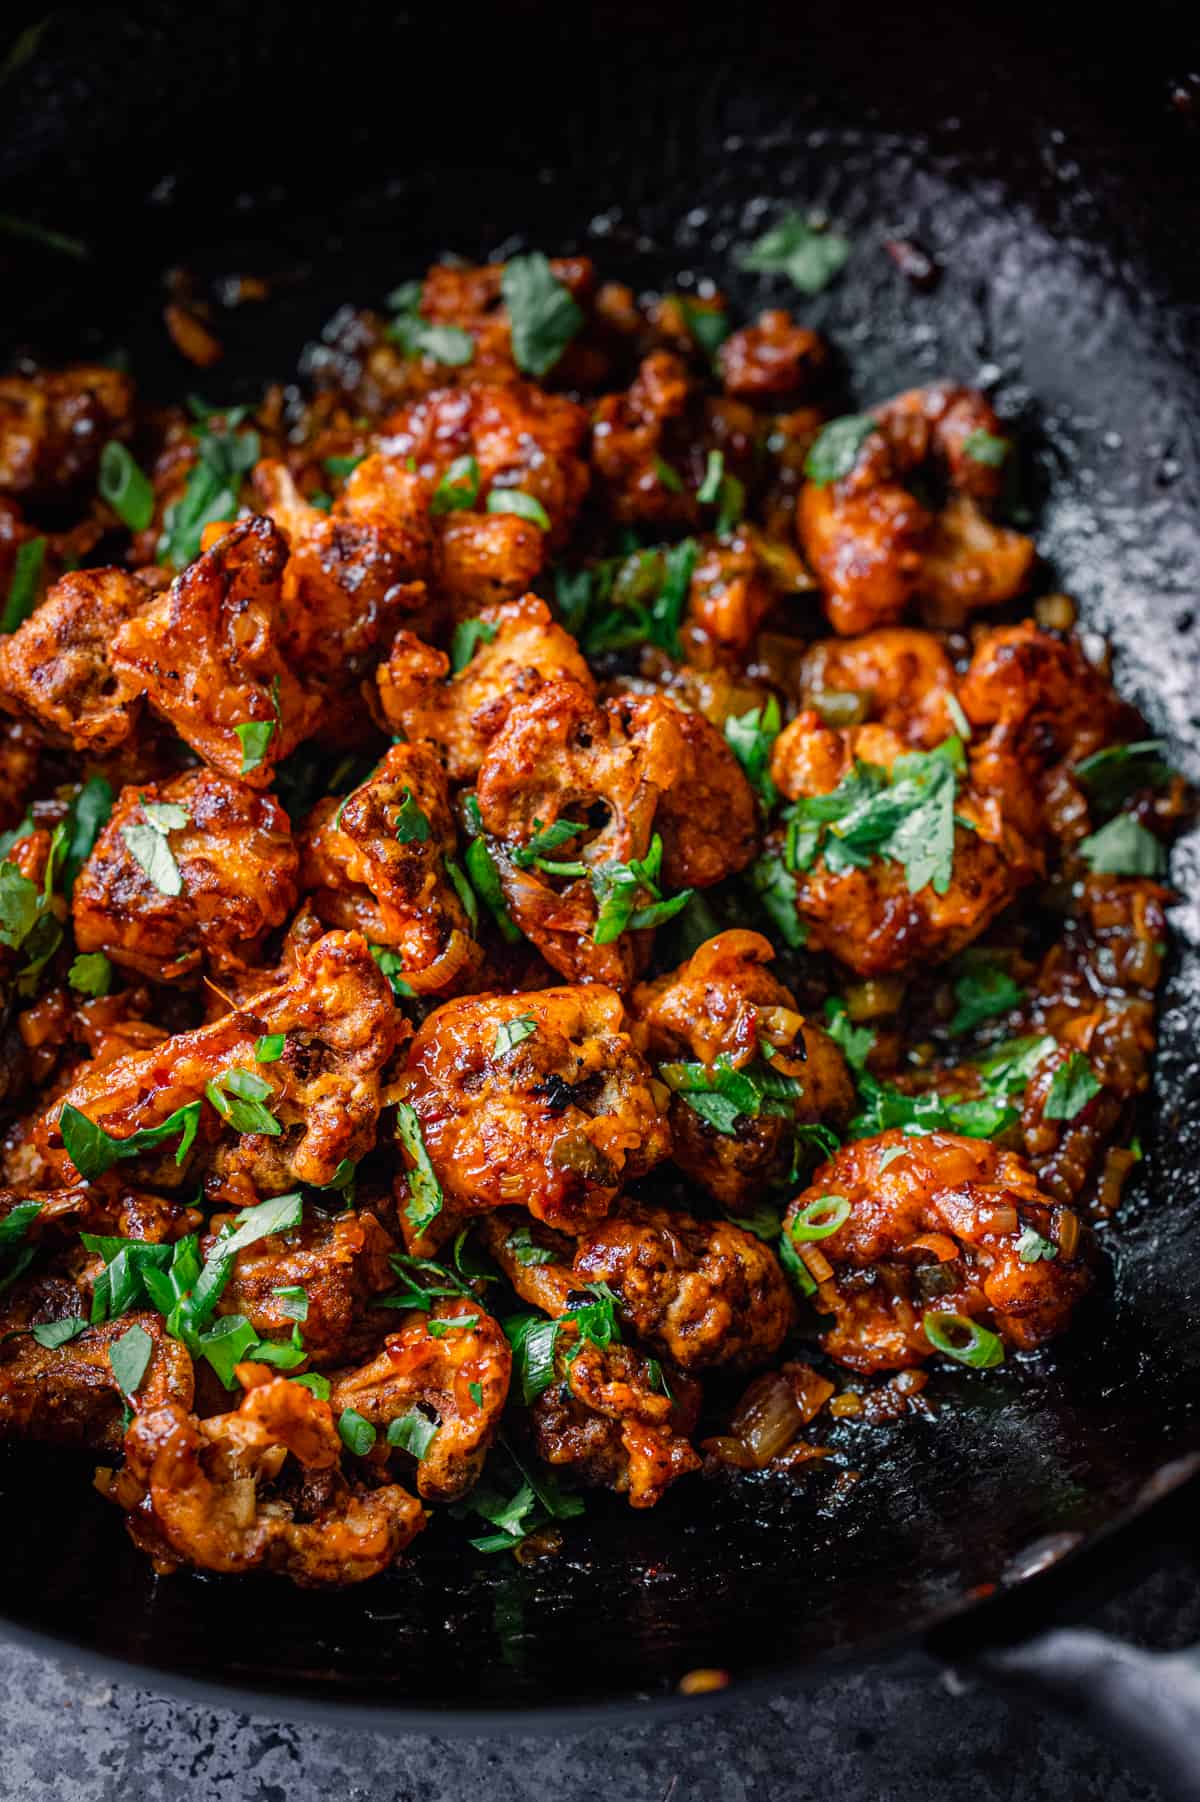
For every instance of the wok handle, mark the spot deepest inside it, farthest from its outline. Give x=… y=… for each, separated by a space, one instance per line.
x=1147 y=1702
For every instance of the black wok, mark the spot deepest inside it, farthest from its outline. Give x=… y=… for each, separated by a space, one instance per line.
x=1050 y=164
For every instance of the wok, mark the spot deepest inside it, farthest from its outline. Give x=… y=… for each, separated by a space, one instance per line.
x=1049 y=163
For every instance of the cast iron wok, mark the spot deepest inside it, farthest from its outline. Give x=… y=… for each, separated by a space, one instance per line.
x=1053 y=175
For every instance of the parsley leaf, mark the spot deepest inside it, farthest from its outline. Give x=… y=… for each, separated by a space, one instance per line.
x=856 y=1042
x=986 y=447
x=225 y=457
x=775 y=887
x=86 y=817
x=1033 y=1249
x=520 y=1244
x=149 y=846
x=412 y=825
x=803 y=249
x=542 y=312
x=391 y=963
x=424 y=1190
x=129 y=1357
x=512 y=1033
x=1071 y=1088
x=1124 y=848
x=91 y=973
x=722 y=1094
x=835 y=449
x=525 y=506
x=750 y=736
x=93 y=1151
x=1110 y=776
x=458 y=488
x=984 y=990
x=469 y=634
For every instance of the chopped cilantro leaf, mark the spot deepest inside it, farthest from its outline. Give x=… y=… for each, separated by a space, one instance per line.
x=803 y=249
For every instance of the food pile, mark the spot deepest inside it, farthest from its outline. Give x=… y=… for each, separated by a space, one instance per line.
x=566 y=921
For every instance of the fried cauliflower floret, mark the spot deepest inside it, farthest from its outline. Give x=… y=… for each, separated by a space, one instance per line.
x=772 y=359
x=54 y=425
x=520 y=437
x=520 y=647
x=489 y=558
x=558 y=756
x=261 y=1486
x=207 y=653
x=68 y=1394
x=470 y=297
x=696 y=1292
x=341 y=1261
x=730 y=594
x=351 y=573
x=707 y=817
x=867 y=916
x=340 y=1025
x=607 y=1420
x=1044 y=697
x=557 y=1119
x=874 y=547
x=903 y=679
x=107 y=1207
x=237 y=870
x=435 y=1375
x=376 y=861
x=636 y=435
x=936 y=1223
x=55 y=669
x=723 y=1003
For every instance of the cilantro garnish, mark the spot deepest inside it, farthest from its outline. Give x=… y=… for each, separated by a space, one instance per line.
x=225 y=457
x=722 y=1095
x=150 y=847
x=905 y=814
x=835 y=449
x=803 y=249
x=543 y=314
x=1071 y=1088
x=750 y=737
x=424 y=1190
x=1124 y=848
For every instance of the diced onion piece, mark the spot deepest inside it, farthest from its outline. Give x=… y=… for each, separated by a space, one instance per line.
x=846 y=1405
x=1066 y=1231
x=815 y=1262
x=768 y=1417
x=938 y=1245
x=444 y=968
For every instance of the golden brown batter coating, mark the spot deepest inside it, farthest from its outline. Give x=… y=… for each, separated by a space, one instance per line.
x=772 y=359
x=724 y=1003
x=936 y=1223
x=520 y=647
x=238 y=871
x=457 y=1379
x=868 y=917
x=376 y=862
x=68 y=1394
x=900 y=677
x=54 y=425
x=873 y=546
x=341 y=1261
x=56 y=671
x=558 y=1123
x=609 y=1423
x=520 y=437
x=352 y=573
x=221 y=1495
x=340 y=1026
x=207 y=653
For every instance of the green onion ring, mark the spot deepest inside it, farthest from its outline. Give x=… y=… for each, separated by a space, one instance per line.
x=981 y=1349
x=808 y=1223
